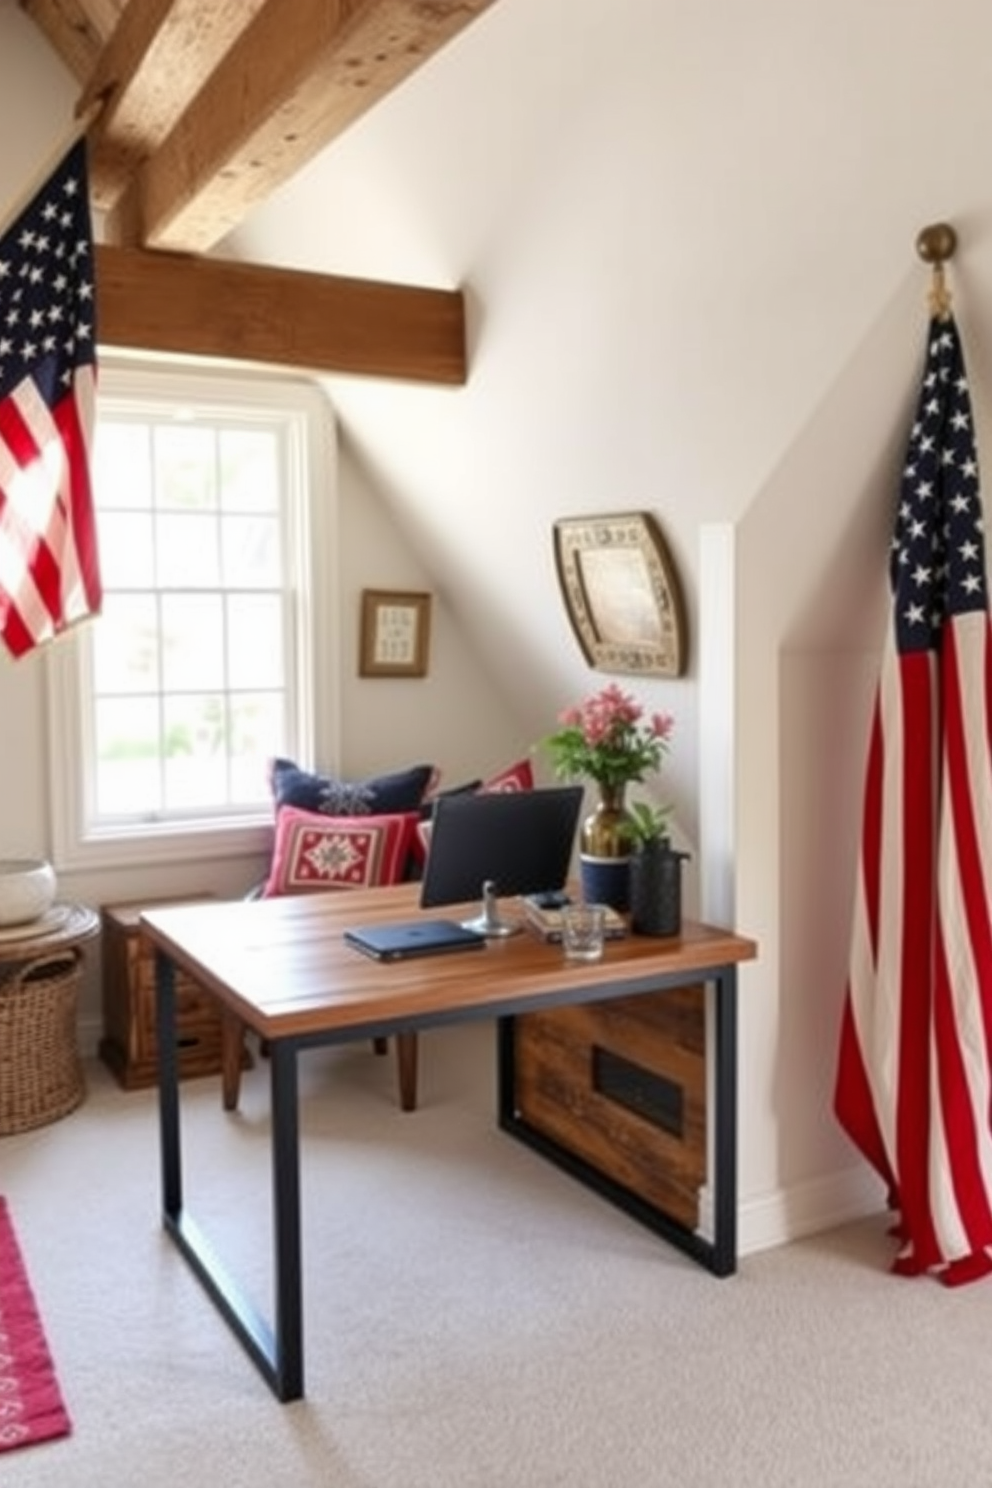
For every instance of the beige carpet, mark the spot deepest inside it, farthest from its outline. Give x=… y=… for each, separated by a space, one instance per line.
x=473 y=1316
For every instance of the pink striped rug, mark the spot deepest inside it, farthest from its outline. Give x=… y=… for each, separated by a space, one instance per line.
x=31 y=1405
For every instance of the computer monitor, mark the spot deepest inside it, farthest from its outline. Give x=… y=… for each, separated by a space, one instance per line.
x=499 y=843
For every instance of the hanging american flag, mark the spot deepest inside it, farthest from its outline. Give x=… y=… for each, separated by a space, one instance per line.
x=913 y=1079
x=49 y=572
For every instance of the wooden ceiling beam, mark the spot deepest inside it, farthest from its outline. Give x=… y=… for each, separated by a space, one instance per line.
x=75 y=32
x=159 y=56
x=298 y=74
x=165 y=302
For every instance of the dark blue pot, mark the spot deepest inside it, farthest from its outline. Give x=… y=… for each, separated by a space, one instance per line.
x=605 y=881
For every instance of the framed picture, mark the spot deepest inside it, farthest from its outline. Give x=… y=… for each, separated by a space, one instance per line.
x=395 y=633
x=622 y=593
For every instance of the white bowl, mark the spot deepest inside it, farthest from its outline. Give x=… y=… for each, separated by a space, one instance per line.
x=27 y=889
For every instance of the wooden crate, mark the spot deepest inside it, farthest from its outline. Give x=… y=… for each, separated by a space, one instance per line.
x=622 y=1085
x=130 y=1043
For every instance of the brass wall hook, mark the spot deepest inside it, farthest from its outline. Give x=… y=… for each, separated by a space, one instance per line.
x=935 y=245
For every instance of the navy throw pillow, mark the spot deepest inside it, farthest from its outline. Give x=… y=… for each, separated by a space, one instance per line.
x=378 y=795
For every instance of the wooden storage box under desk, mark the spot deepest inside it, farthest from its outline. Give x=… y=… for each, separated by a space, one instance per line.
x=622 y=1085
x=129 y=1046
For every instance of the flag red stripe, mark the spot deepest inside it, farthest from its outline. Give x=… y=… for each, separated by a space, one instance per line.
x=17 y=434
x=918 y=859
x=55 y=546
x=854 y=1103
x=871 y=842
x=960 y=1157
x=35 y=522
x=82 y=525
x=19 y=549
x=16 y=635
x=962 y=1015
x=968 y=782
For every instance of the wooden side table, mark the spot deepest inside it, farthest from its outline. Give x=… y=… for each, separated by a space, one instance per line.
x=41 y=1072
x=129 y=1046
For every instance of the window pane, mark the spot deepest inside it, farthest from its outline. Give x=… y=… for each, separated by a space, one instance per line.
x=125 y=645
x=127 y=551
x=257 y=731
x=195 y=751
x=127 y=747
x=122 y=465
x=187 y=551
x=249 y=471
x=251 y=552
x=255 y=650
x=185 y=474
x=192 y=642
x=200 y=668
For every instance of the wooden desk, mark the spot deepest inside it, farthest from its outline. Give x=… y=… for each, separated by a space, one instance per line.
x=281 y=966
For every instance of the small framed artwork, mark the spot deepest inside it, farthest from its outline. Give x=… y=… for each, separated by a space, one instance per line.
x=395 y=633
x=621 y=592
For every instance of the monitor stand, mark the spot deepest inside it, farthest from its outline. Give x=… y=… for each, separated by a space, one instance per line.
x=488 y=923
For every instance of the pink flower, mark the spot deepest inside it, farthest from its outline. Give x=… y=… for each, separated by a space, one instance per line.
x=605 y=739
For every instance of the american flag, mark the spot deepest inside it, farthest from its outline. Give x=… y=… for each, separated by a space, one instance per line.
x=914 y=1076
x=49 y=572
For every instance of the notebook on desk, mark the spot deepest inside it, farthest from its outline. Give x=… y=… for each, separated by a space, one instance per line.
x=398 y=942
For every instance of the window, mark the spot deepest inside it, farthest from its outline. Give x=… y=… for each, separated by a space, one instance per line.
x=213 y=515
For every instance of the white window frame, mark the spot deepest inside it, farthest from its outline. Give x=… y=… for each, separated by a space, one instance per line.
x=311 y=546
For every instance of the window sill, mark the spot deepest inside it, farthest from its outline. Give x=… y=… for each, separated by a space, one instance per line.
x=156 y=843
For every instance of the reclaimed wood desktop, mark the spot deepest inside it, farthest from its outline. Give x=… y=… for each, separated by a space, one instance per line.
x=280 y=966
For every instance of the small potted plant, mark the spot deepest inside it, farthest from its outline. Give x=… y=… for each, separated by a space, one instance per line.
x=648 y=824
x=655 y=872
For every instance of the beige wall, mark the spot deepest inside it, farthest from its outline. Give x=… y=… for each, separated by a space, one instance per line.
x=686 y=235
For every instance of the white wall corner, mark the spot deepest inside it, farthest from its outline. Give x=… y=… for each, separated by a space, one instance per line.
x=717 y=731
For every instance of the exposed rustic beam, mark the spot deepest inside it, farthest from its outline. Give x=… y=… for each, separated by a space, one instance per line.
x=159 y=56
x=75 y=33
x=299 y=73
x=211 y=308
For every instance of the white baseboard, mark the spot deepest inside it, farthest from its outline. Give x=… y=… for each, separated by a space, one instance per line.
x=772 y=1219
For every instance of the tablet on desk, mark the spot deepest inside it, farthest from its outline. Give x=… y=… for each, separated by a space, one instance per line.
x=398 y=942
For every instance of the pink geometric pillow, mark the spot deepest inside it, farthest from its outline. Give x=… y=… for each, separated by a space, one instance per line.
x=313 y=851
x=518 y=777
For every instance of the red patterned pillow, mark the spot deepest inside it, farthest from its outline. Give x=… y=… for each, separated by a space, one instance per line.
x=313 y=851
x=518 y=777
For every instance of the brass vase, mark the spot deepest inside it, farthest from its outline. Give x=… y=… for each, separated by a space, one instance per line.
x=604 y=850
x=605 y=831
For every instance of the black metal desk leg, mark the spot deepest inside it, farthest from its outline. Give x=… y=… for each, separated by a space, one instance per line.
x=724 y=1259
x=168 y=1086
x=288 y=1362
x=506 y=1078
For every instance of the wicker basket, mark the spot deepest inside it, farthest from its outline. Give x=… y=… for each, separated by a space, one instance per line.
x=41 y=1074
